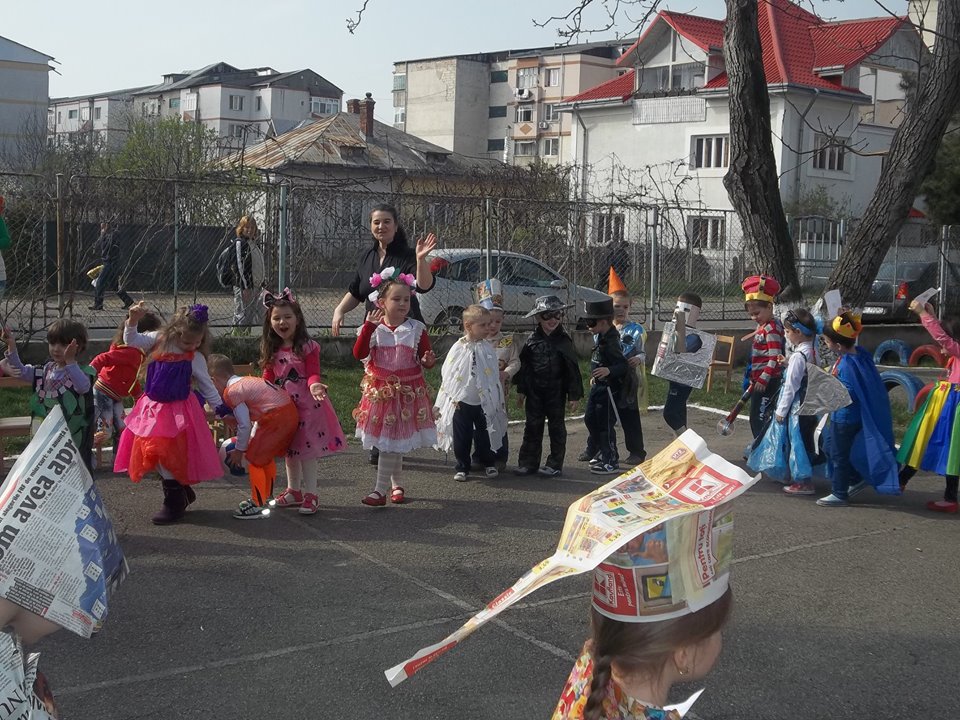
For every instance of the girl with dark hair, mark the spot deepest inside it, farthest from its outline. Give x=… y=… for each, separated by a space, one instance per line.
x=932 y=440
x=390 y=249
x=291 y=360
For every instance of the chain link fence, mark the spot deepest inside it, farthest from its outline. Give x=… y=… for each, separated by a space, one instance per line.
x=172 y=232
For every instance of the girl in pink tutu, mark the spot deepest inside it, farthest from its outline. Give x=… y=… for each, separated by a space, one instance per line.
x=395 y=413
x=167 y=430
x=291 y=360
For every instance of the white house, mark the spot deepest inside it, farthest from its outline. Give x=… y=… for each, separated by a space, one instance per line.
x=660 y=134
x=100 y=119
x=24 y=90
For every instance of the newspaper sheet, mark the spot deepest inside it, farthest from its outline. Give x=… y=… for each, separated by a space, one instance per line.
x=59 y=555
x=18 y=692
x=683 y=478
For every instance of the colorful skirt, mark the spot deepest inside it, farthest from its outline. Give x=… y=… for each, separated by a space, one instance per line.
x=932 y=440
x=172 y=434
x=395 y=415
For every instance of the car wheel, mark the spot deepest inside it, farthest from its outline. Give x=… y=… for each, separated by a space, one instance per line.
x=448 y=321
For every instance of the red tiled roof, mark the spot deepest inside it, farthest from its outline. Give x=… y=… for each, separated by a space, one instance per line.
x=620 y=88
x=794 y=42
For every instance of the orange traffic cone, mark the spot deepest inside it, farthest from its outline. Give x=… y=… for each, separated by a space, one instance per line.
x=614 y=283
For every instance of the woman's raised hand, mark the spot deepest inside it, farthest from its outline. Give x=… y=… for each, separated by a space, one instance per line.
x=426 y=245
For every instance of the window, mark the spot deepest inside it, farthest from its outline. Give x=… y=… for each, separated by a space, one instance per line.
x=550 y=113
x=96 y=113
x=59 y=116
x=524 y=113
x=85 y=114
x=497 y=111
x=527 y=77
x=710 y=152
x=324 y=106
x=519 y=271
x=707 y=233
x=829 y=153
x=550 y=146
x=237 y=131
x=236 y=102
x=399 y=116
x=173 y=103
x=400 y=81
x=551 y=77
x=686 y=76
x=72 y=114
x=259 y=102
x=525 y=148
x=654 y=78
x=607 y=228
x=495 y=145
x=498 y=76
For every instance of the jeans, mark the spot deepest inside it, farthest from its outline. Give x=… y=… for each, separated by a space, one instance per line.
x=108 y=413
x=470 y=426
x=109 y=280
x=675 y=406
x=632 y=431
x=600 y=419
x=843 y=474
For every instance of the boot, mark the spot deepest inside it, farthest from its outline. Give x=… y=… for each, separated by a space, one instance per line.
x=174 y=503
x=191 y=495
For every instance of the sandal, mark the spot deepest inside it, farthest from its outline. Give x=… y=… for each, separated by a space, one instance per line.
x=396 y=495
x=375 y=499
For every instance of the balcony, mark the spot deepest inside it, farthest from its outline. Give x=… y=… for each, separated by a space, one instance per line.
x=669 y=109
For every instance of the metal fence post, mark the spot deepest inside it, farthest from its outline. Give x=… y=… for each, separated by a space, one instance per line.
x=486 y=232
x=61 y=276
x=176 y=245
x=653 y=218
x=282 y=241
x=944 y=248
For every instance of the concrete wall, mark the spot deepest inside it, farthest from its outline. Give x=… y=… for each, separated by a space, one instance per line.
x=24 y=95
x=431 y=101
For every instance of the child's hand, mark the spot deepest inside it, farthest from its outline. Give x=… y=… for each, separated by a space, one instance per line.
x=70 y=354
x=235 y=457
x=429 y=359
x=319 y=391
x=780 y=418
x=600 y=372
x=8 y=370
x=9 y=339
x=634 y=360
x=503 y=377
x=425 y=246
x=375 y=316
x=135 y=313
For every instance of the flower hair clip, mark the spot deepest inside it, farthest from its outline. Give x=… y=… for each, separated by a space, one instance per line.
x=269 y=299
x=199 y=313
x=391 y=273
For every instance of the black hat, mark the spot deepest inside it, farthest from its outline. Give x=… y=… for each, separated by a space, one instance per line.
x=597 y=309
x=547 y=303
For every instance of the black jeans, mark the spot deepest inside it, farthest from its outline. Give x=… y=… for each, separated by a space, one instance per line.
x=632 y=431
x=675 y=407
x=600 y=419
x=541 y=408
x=470 y=426
x=762 y=405
x=109 y=280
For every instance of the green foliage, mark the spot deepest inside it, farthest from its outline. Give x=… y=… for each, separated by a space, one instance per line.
x=942 y=186
x=165 y=148
x=817 y=201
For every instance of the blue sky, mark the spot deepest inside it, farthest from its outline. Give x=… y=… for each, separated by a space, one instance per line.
x=102 y=45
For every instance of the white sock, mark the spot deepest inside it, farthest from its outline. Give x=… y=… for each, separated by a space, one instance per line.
x=294 y=474
x=309 y=468
x=388 y=471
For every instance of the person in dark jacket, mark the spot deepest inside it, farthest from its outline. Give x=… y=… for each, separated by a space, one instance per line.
x=248 y=276
x=549 y=376
x=610 y=386
x=109 y=279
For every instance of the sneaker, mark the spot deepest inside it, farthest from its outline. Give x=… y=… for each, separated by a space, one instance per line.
x=799 y=489
x=524 y=471
x=584 y=456
x=460 y=476
x=857 y=489
x=832 y=500
x=289 y=498
x=310 y=504
x=248 y=511
x=595 y=461
x=605 y=469
x=548 y=471
x=944 y=506
x=491 y=472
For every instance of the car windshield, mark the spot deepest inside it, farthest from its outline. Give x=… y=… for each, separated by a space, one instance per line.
x=904 y=271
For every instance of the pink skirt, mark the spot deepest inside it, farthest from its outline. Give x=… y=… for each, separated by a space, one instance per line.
x=172 y=434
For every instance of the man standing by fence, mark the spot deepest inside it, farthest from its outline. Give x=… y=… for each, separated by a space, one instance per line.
x=109 y=278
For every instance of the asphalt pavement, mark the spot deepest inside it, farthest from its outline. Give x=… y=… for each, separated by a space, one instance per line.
x=843 y=613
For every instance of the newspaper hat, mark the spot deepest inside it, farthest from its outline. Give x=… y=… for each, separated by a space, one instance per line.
x=760 y=287
x=597 y=309
x=547 y=303
x=489 y=294
x=634 y=583
x=614 y=283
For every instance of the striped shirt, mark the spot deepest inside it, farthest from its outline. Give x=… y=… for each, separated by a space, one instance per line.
x=767 y=348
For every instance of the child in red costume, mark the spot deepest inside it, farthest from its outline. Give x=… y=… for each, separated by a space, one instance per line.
x=254 y=400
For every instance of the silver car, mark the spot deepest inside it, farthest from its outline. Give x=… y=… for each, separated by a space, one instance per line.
x=458 y=270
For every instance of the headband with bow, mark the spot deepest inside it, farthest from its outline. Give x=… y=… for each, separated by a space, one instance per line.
x=269 y=299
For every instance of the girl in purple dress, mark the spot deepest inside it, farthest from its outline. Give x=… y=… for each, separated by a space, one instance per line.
x=167 y=430
x=291 y=360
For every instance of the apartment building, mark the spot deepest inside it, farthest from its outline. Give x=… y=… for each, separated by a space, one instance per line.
x=100 y=119
x=24 y=88
x=500 y=104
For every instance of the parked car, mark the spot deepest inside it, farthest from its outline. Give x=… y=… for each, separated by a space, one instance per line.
x=458 y=270
x=895 y=286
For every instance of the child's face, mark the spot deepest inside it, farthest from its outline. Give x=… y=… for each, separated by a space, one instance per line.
x=190 y=341
x=219 y=382
x=477 y=330
x=57 y=351
x=395 y=303
x=550 y=321
x=496 y=322
x=760 y=312
x=283 y=321
x=793 y=336
x=621 y=308
x=598 y=325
